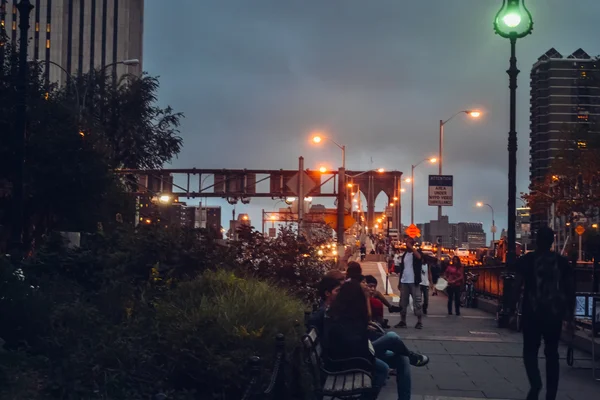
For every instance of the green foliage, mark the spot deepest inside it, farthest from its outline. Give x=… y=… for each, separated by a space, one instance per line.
x=69 y=181
x=131 y=314
x=286 y=260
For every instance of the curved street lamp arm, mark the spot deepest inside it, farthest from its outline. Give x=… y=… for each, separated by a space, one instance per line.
x=449 y=119
x=70 y=76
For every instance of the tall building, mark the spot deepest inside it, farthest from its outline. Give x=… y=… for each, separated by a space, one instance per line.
x=564 y=98
x=80 y=34
x=523 y=227
x=470 y=235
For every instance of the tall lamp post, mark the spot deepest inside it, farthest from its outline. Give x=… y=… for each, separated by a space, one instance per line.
x=513 y=21
x=480 y=204
x=412 y=186
x=18 y=197
x=470 y=113
x=341 y=200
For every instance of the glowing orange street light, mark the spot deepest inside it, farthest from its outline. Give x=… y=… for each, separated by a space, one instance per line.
x=474 y=114
x=408 y=180
x=317 y=139
x=380 y=170
x=395 y=198
x=322 y=170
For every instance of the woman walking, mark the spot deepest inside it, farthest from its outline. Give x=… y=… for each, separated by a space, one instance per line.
x=454 y=274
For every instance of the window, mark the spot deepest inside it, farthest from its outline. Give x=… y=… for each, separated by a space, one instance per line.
x=14 y=25
x=47 y=27
x=47 y=43
x=582 y=144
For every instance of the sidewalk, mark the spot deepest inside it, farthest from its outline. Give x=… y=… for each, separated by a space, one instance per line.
x=472 y=358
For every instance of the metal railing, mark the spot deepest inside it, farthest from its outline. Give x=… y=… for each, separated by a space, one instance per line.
x=490 y=283
x=276 y=388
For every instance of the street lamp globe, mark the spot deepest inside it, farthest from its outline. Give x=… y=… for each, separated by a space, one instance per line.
x=479 y=204
x=322 y=170
x=474 y=113
x=380 y=170
x=317 y=139
x=433 y=160
x=513 y=20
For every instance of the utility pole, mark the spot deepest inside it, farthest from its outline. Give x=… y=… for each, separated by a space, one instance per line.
x=18 y=197
x=341 y=204
x=300 y=195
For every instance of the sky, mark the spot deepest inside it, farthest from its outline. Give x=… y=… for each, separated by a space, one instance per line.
x=254 y=78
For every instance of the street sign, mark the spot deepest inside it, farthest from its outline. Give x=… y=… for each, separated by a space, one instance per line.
x=440 y=190
x=309 y=183
x=413 y=231
x=580 y=230
x=272 y=232
x=389 y=212
x=494 y=229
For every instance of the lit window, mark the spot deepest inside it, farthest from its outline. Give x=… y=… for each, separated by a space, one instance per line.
x=583 y=74
x=47 y=43
x=37 y=26
x=14 y=25
x=47 y=27
x=582 y=144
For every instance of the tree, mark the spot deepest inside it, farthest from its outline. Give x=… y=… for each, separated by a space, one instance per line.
x=72 y=150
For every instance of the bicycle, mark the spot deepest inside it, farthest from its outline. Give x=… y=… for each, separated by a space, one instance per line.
x=468 y=297
x=503 y=312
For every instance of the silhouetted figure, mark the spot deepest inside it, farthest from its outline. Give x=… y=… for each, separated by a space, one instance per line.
x=548 y=284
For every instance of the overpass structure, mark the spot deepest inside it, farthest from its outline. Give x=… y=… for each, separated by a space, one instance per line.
x=241 y=185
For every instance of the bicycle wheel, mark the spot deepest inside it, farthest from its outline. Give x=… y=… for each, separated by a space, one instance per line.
x=463 y=299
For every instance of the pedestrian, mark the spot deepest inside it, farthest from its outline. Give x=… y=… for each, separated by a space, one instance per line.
x=548 y=284
x=454 y=274
x=426 y=280
x=409 y=285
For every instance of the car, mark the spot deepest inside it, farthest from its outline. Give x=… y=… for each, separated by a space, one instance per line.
x=461 y=252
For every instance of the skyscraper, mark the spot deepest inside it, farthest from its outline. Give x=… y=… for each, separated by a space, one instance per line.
x=80 y=34
x=564 y=98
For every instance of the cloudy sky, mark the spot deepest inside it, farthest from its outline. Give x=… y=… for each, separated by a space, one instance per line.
x=255 y=77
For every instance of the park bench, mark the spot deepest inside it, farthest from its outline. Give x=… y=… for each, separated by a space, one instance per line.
x=342 y=383
x=276 y=388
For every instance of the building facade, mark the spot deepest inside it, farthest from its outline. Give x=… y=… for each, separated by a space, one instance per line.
x=470 y=235
x=523 y=228
x=80 y=34
x=564 y=98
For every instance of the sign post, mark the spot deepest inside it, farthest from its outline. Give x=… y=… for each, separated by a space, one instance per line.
x=580 y=231
x=441 y=190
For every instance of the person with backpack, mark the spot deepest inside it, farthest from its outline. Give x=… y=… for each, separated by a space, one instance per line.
x=548 y=284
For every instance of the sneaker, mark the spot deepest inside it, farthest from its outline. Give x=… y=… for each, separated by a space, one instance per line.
x=419 y=325
x=400 y=324
x=418 y=360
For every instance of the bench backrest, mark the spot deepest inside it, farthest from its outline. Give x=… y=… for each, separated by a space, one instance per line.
x=313 y=351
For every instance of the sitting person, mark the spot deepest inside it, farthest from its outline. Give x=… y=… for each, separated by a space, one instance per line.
x=354 y=271
x=386 y=344
x=328 y=289
x=346 y=333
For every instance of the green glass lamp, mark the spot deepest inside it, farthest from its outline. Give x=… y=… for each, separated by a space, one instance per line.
x=513 y=20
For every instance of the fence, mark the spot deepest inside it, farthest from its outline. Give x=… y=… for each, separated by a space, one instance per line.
x=491 y=284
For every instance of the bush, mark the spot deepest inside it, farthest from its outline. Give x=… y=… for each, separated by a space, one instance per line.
x=103 y=322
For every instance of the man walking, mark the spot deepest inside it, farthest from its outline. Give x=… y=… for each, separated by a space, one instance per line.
x=410 y=279
x=548 y=298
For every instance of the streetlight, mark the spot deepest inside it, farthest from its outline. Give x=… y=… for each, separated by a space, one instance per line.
x=440 y=159
x=165 y=199
x=480 y=204
x=513 y=21
x=319 y=138
x=432 y=160
x=322 y=170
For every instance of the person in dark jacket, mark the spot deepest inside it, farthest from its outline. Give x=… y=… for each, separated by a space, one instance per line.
x=346 y=333
x=548 y=284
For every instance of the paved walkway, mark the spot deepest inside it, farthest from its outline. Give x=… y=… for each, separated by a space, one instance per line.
x=471 y=358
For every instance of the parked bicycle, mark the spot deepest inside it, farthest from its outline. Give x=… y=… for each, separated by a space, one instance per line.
x=468 y=298
x=504 y=314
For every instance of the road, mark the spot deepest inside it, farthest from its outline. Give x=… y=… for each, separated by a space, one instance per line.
x=471 y=358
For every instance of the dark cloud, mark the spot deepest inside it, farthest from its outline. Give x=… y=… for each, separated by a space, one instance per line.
x=255 y=77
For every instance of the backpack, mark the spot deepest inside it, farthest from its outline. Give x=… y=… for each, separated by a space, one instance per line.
x=548 y=297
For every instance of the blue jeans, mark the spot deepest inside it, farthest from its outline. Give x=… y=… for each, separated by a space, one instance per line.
x=380 y=374
x=384 y=347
